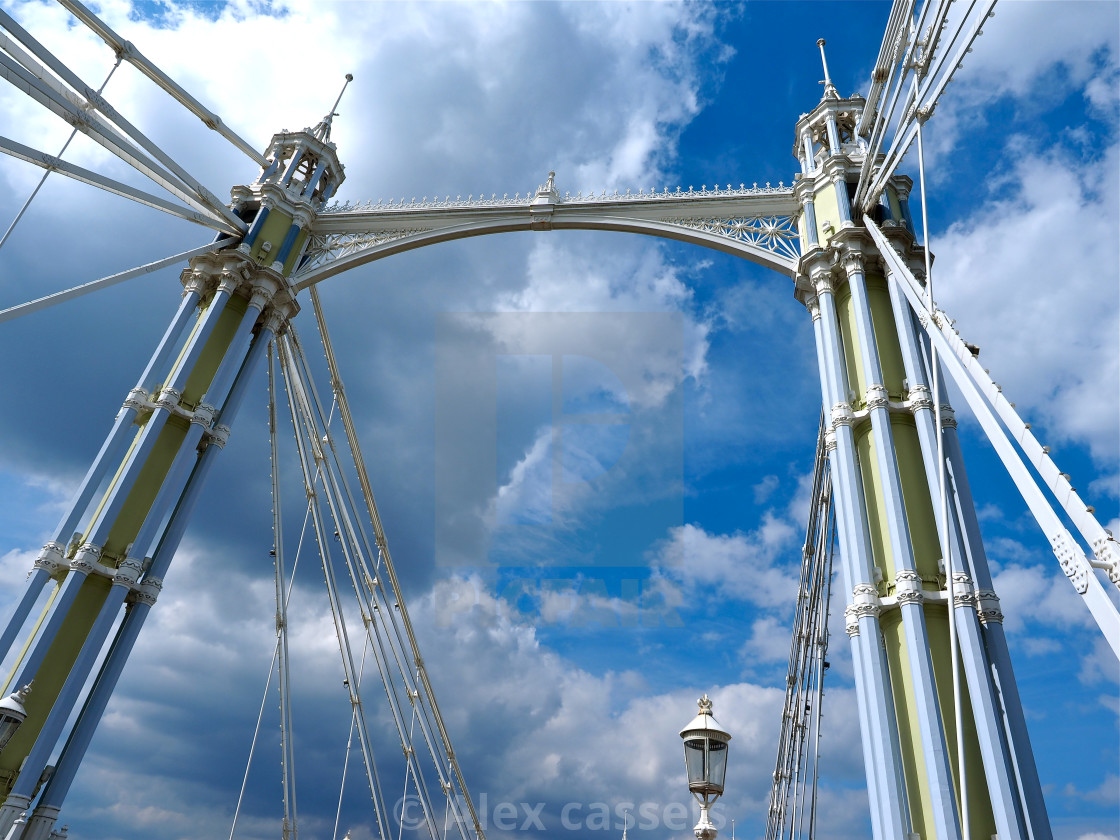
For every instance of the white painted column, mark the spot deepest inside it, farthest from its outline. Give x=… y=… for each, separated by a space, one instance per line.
x=908 y=583
x=886 y=787
x=990 y=615
x=142 y=600
x=988 y=715
x=808 y=161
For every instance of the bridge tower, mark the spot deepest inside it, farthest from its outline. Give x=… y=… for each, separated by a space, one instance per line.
x=905 y=557
x=112 y=549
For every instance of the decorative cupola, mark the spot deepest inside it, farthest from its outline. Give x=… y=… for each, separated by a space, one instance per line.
x=829 y=130
x=302 y=174
x=831 y=154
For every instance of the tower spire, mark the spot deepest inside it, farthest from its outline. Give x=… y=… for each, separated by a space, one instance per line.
x=829 y=88
x=323 y=129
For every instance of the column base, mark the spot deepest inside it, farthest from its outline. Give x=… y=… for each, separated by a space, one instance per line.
x=13 y=815
x=41 y=822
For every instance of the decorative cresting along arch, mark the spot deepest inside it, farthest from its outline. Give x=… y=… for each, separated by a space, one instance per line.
x=758 y=223
x=911 y=569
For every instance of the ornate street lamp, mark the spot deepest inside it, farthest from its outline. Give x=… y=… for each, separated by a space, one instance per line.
x=705 y=759
x=12 y=714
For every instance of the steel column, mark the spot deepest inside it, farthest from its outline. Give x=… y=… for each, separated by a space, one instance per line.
x=939 y=780
x=137 y=612
x=890 y=812
x=987 y=712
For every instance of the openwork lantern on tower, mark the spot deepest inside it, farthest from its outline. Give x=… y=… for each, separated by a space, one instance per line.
x=705 y=760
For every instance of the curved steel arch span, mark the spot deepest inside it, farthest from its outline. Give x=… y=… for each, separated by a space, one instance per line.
x=756 y=223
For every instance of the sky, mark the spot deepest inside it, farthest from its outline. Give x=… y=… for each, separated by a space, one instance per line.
x=569 y=619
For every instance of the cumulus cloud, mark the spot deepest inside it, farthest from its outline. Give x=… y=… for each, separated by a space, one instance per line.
x=1080 y=54
x=717 y=562
x=999 y=277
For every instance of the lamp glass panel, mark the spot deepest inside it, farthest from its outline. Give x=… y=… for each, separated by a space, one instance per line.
x=717 y=762
x=694 y=759
x=8 y=727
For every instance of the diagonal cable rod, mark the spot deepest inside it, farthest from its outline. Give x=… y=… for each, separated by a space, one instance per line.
x=791 y=791
x=946 y=545
x=913 y=66
x=383 y=547
x=920 y=102
x=268 y=682
x=881 y=119
x=902 y=12
x=133 y=56
x=89 y=98
x=70 y=108
x=349 y=747
x=49 y=169
x=965 y=367
x=978 y=389
x=95 y=285
x=253 y=743
x=342 y=506
x=371 y=587
x=933 y=32
x=310 y=458
x=287 y=761
x=52 y=163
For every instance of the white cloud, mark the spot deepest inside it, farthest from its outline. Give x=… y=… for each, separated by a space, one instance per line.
x=1000 y=274
x=1030 y=596
x=739 y=565
x=618 y=277
x=769 y=641
x=765 y=488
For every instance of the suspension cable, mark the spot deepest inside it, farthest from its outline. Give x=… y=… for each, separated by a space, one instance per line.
x=287 y=761
x=365 y=561
x=946 y=548
x=383 y=548
x=283 y=597
x=342 y=503
x=349 y=746
x=47 y=172
x=375 y=589
x=307 y=447
x=793 y=795
x=822 y=663
x=253 y=744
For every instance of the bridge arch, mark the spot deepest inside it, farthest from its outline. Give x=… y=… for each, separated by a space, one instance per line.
x=758 y=226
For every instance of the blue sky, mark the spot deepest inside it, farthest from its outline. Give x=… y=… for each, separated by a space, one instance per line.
x=698 y=518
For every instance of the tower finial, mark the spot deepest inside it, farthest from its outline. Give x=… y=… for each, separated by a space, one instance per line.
x=829 y=88
x=323 y=129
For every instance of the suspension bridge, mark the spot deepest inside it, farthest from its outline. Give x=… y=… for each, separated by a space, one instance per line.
x=945 y=742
